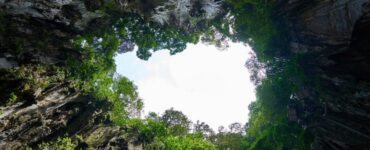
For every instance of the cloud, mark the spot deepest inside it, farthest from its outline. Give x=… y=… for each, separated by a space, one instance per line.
x=204 y=83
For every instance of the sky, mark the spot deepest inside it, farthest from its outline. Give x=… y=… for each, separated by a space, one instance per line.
x=206 y=84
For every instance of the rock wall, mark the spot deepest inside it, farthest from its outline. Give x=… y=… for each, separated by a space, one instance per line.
x=58 y=112
x=34 y=32
x=333 y=35
x=40 y=31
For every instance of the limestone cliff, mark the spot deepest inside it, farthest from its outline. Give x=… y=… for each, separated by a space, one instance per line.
x=333 y=36
x=40 y=105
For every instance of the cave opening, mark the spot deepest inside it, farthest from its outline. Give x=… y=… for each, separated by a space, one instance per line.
x=203 y=82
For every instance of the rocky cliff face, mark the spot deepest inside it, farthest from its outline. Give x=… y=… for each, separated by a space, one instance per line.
x=334 y=37
x=332 y=34
x=45 y=114
x=39 y=31
x=35 y=33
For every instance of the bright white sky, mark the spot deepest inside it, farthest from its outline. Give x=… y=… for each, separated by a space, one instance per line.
x=204 y=83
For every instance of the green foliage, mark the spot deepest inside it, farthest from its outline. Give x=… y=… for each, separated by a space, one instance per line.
x=281 y=135
x=231 y=139
x=154 y=129
x=177 y=123
x=126 y=87
x=92 y=71
x=96 y=68
x=60 y=144
x=204 y=129
x=156 y=37
x=38 y=76
x=147 y=130
x=188 y=142
x=156 y=132
x=118 y=114
x=95 y=74
x=124 y=99
x=13 y=98
x=269 y=126
x=21 y=83
x=253 y=24
x=228 y=140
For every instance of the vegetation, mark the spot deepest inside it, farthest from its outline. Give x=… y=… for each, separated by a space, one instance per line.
x=172 y=131
x=64 y=143
x=27 y=81
x=157 y=37
x=188 y=142
x=169 y=131
x=93 y=72
x=171 y=27
x=247 y=21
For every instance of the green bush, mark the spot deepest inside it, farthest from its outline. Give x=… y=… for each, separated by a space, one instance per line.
x=60 y=144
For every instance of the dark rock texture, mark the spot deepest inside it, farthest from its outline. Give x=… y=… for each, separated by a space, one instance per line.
x=39 y=32
x=334 y=37
x=57 y=112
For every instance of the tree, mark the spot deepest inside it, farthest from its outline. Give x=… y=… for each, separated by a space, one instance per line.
x=236 y=128
x=269 y=126
x=229 y=140
x=153 y=116
x=253 y=24
x=256 y=68
x=125 y=100
x=176 y=122
x=221 y=129
x=188 y=142
x=126 y=91
x=132 y=29
x=203 y=128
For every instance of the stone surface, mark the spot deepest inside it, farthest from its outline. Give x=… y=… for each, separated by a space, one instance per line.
x=332 y=35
